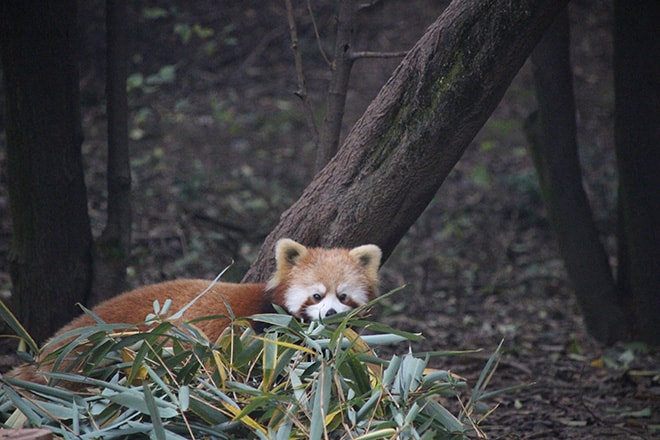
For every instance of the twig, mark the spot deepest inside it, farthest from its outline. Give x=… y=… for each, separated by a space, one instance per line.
x=318 y=36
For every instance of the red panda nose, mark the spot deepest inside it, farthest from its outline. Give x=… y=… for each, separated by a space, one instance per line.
x=330 y=312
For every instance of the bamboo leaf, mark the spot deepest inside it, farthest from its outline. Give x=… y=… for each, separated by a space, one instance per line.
x=321 y=401
x=245 y=419
x=382 y=328
x=45 y=390
x=284 y=430
x=380 y=433
x=11 y=320
x=365 y=411
x=286 y=344
x=24 y=406
x=59 y=410
x=158 y=429
x=279 y=320
x=134 y=399
x=136 y=373
x=269 y=360
x=390 y=372
x=443 y=416
x=184 y=398
x=211 y=414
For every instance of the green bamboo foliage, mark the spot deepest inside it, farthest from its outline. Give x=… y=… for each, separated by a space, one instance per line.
x=295 y=381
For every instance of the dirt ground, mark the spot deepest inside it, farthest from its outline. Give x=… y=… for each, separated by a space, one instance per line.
x=220 y=148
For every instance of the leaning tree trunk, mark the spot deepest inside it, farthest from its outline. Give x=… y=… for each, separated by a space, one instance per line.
x=50 y=250
x=637 y=138
x=413 y=133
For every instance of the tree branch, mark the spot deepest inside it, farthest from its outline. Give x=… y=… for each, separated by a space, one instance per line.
x=369 y=54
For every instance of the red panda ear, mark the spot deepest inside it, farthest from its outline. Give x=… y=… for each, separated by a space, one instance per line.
x=287 y=253
x=368 y=256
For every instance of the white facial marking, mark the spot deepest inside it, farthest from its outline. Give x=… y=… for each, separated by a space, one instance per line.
x=296 y=296
x=320 y=310
x=300 y=299
x=331 y=301
x=357 y=294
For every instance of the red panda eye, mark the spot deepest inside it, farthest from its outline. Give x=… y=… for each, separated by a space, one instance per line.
x=342 y=297
x=317 y=296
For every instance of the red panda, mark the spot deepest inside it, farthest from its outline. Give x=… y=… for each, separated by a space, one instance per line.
x=309 y=283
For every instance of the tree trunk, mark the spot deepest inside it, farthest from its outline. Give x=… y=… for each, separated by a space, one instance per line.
x=341 y=73
x=553 y=143
x=112 y=249
x=50 y=250
x=398 y=154
x=637 y=137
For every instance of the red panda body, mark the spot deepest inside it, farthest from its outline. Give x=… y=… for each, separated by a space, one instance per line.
x=310 y=283
x=132 y=307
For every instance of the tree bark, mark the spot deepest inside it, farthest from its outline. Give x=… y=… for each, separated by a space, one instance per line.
x=398 y=154
x=552 y=136
x=637 y=138
x=50 y=250
x=112 y=249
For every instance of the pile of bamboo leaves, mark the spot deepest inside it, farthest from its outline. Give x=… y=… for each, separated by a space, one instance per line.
x=322 y=380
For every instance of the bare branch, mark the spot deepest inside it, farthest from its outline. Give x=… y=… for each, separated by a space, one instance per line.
x=300 y=74
x=370 y=54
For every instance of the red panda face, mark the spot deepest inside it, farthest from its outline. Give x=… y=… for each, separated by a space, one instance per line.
x=315 y=283
x=318 y=301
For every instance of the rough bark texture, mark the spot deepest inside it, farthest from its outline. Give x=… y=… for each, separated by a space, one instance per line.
x=50 y=250
x=397 y=155
x=637 y=137
x=112 y=249
x=552 y=134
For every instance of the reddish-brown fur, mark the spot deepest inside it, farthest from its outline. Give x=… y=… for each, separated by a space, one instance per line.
x=295 y=264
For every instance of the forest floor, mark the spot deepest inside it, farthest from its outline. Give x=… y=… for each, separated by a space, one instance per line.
x=220 y=148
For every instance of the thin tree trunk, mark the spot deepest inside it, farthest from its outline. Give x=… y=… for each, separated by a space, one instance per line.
x=341 y=73
x=552 y=137
x=112 y=249
x=50 y=251
x=637 y=137
x=398 y=154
